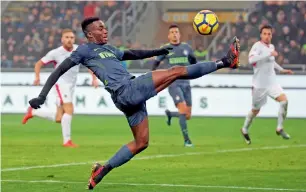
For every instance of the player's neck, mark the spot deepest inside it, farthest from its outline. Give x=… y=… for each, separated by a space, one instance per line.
x=68 y=48
x=267 y=44
x=175 y=43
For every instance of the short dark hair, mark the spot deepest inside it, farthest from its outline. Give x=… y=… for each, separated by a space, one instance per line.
x=265 y=27
x=87 y=22
x=173 y=26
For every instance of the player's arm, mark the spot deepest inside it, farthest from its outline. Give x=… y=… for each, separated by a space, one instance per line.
x=256 y=54
x=37 y=68
x=95 y=82
x=282 y=70
x=48 y=58
x=142 y=54
x=157 y=61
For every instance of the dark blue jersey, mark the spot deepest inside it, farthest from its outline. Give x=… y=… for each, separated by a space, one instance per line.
x=180 y=55
x=105 y=62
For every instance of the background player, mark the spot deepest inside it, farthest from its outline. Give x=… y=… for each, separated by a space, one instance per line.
x=262 y=57
x=64 y=89
x=128 y=93
x=180 y=90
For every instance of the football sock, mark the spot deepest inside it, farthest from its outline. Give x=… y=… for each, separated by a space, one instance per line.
x=282 y=114
x=66 y=127
x=183 y=124
x=50 y=115
x=248 y=120
x=198 y=70
x=121 y=157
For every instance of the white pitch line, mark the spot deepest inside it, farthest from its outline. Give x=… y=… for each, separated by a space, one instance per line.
x=156 y=157
x=163 y=185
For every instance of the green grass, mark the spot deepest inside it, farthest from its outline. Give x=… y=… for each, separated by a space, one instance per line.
x=39 y=143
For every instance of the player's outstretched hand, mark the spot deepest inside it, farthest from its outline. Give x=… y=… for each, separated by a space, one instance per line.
x=37 y=102
x=166 y=50
x=286 y=71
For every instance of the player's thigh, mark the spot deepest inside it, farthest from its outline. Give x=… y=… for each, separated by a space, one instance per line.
x=138 y=91
x=277 y=93
x=259 y=98
x=65 y=97
x=163 y=78
x=176 y=93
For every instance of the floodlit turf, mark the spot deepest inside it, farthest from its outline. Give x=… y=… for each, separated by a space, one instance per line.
x=219 y=162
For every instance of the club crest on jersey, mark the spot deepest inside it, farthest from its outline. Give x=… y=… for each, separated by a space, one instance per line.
x=185 y=52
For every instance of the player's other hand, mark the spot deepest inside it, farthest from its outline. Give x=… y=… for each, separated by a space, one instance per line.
x=95 y=83
x=36 y=81
x=274 y=53
x=37 y=102
x=166 y=50
x=286 y=71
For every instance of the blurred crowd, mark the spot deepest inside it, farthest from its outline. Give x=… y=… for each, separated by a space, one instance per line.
x=288 y=19
x=25 y=40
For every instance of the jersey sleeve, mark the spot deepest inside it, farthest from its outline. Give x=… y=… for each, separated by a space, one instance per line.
x=49 y=57
x=80 y=54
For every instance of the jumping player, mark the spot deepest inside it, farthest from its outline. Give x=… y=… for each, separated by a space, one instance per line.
x=64 y=88
x=180 y=90
x=128 y=93
x=262 y=57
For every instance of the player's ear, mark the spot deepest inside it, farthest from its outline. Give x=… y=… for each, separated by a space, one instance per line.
x=89 y=34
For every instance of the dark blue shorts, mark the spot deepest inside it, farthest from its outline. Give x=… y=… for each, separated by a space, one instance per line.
x=131 y=98
x=180 y=93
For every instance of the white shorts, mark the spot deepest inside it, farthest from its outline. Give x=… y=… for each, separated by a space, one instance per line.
x=64 y=93
x=259 y=95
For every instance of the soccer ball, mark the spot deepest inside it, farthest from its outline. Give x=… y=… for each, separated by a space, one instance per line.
x=205 y=22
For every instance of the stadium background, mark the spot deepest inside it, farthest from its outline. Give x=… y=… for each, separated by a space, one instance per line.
x=32 y=154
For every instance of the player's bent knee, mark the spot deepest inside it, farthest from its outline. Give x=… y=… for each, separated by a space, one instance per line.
x=68 y=108
x=281 y=98
x=142 y=145
x=255 y=111
x=188 y=116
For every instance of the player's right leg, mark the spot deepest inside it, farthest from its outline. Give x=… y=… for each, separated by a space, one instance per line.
x=138 y=121
x=163 y=78
x=259 y=99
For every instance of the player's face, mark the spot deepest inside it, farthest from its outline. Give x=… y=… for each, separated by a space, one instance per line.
x=266 y=36
x=174 y=35
x=98 y=32
x=68 y=40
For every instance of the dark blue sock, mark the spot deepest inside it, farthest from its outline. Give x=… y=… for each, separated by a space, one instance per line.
x=183 y=124
x=121 y=157
x=198 y=70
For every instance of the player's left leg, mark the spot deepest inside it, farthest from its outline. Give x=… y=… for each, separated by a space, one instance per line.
x=140 y=128
x=282 y=113
x=65 y=96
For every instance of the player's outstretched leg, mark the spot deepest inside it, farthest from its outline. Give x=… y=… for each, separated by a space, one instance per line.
x=163 y=78
x=247 y=123
x=126 y=153
x=50 y=115
x=283 y=106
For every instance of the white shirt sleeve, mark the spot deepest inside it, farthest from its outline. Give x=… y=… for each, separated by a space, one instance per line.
x=256 y=54
x=49 y=57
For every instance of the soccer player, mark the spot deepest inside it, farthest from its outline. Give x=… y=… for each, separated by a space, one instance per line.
x=128 y=93
x=64 y=88
x=262 y=57
x=180 y=90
